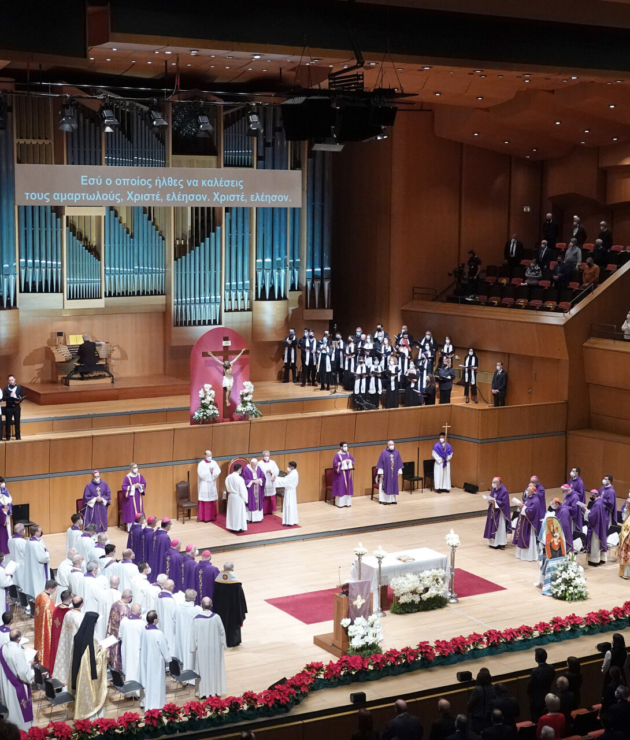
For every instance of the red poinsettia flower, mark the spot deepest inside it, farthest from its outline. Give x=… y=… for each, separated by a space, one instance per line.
x=493 y=638
x=128 y=719
x=37 y=733
x=104 y=724
x=426 y=651
x=195 y=708
x=152 y=717
x=83 y=727
x=59 y=730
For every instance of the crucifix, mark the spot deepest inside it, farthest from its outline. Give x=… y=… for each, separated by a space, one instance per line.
x=227 y=364
x=446 y=428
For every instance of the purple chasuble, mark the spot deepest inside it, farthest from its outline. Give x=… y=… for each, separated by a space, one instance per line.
x=529 y=519
x=22 y=690
x=343 y=483
x=96 y=514
x=175 y=568
x=205 y=576
x=161 y=545
x=542 y=504
x=255 y=491
x=390 y=462
x=598 y=522
x=4 y=532
x=190 y=572
x=563 y=515
x=148 y=536
x=609 y=498
x=443 y=451
x=132 y=505
x=502 y=498
x=577 y=485
x=577 y=516
x=117 y=613
x=135 y=542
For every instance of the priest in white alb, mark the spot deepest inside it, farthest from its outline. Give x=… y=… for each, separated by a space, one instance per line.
x=236 y=518
x=127 y=570
x=75 y=579
x=130 y=635
x=289 y=507
x=442 y=454
x=207 y=643
x=271 y=471
x=154 y=656
x=17 y=550
x=166 y=608
x=145 y=593
x=184 y=618
x=207 y=473
x=16 y=674
x=36 y=559
x=105 y=598
x=86 y=542
x=92 y=587
x=63 y=574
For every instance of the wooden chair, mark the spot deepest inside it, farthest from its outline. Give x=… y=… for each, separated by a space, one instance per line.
x=427 y=469
x=409 y=474
x=120 y=508
x=184 y=502
x=375 y=484
x=328 y=475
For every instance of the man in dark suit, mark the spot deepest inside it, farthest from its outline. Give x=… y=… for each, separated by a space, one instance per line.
x=601 y=254
x=12 y=397
x=617 y=717
x=87 y=354
x=507 y=704
x=539 y=684
x=404 y=726
x=578 y=232
x=605 y=234
x=499 y=385
x=498 y=730
x=445 y=378
x=462 y=732
x=444 y=725
x=545 y=253
x=561 y=273
x=513 y=251
x=550 y=231
x=568 y=701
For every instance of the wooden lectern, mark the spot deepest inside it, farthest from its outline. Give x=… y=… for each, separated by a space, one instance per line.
x=337 y=641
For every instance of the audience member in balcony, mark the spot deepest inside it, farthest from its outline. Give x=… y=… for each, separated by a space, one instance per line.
x=618 y=715
x=568 y=702
x=404 y=726
x=550 y=231
x=462 y=730
x=479 y=709
x=578 y=232
x=590 y=272
x=545 y=253
x=472 y=271
x=561 y=273
x=498 y=729
x=623 y=257
x=573 y=254
x=553 y=717
x=513 y=252
x=574 y=676
x=499 y=385
x=365 y=730
x=539 y=684
x=507 y=704
x=609 y=696
x=615 y=658
x=605 y=234
x=533 y=273
x=444 y=725
x=625 y=328
x=601 y=255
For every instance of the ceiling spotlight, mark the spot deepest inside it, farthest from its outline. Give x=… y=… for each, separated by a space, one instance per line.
x=382 y=135
x=484 y=75
x=534 y=150
x=204 y=127
x=156 y=116
x=615 y=138
x=426 y=67
x=194 y=52
x=506 y=142
x=168 y=52
x=108 y=60
x=475 y=133
x=91 y=59
x=612 y=105
x=582 y=142
x=526 y=75
x=255 y=124
x=149 y=62
x=264 y=70
x=69 y=118
x=587 y=130
x=500 y=75
x=565 y=80
x=189 y=64
x=527 y=156
x=479 y=97
x=574 y=78
x=319 y=60
x=114 y=49
x=249 y=69
x=617 y=80
x=156 y=52
x=109 y=122
x=400 y=69
x=558 y=123
x=256 y=56
x=526 y=80
x=437 y=93
x=478 y=71
x=229 y=57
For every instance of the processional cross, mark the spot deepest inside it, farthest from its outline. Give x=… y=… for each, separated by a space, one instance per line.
x=446 y=428
x=227 y=363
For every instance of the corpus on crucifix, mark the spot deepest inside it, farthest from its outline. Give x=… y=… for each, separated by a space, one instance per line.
x=228 y=377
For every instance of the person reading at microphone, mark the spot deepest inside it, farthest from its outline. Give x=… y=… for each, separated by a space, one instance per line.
x=12 y=397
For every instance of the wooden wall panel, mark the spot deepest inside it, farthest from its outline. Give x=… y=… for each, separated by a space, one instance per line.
x=161 y=491
x=610 y=424
x=37 y=494
x=153 y=446
x=607 y=363
x=465 y=419
x=548 y=460
x=337 y=428
x=402 y=423
x=267 y=434
x=520 y=370
x=465 y=464
x=525 y=189
x=189 y=472
x=70 y=453
x=488 y=460
x=547 y=381
x=107 y=422
x=63 y=495
x=587 y=453
x=370 y=426
x=3 y=448
x=303 y=433
x=192 y=442
x=310 y=488
x=112 y=450
x=433 y=418
x=27 y=458
x=72 y=425
x=515 y=463
x=230 y=439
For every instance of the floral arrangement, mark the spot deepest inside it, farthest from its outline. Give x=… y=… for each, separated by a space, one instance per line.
x=215 y=712
x=207 y=411
x=379 y=554
x=360 y=551
x=568 y=582
x=419 y=592
x=246 y=408
x=452 y=539
x=365 y=635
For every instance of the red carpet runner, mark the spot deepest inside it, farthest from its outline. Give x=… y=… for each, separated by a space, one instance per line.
x=270 y=523
x=317 y=606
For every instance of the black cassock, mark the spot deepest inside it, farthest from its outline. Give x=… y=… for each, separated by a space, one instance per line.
x=391 y=386
x=228 y=601
x=412 y=395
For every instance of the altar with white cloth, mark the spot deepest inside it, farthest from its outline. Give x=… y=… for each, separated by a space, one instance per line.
x=423 y=559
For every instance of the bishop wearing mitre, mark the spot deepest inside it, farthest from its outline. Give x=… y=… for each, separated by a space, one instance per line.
x=97 y=497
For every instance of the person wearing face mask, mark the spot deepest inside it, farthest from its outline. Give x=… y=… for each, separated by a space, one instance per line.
x=607 y=492
x=498 y=520
x=135 y=539
x=391 y=381
x=290 y=356
x=74 y=531
x=388 y=469
x=324 y=365
x=338 y=360
x=148 y=533
x=343 y=472
x=375 y=384
x=428 y=346
x=405 y=359
x=445 y=378
x=578 y=232
x=447 y=350
x=499 y=385
x=597 y=518
x=271 y=472
x=308 y=347
x=442 y=454
x=413 y=395
x=577 y=484
x=6 y=508
x=360 y=384
x=403 y=331
x=255 y=481
x=236 y=517
x=97 y=497
x=525 y=534
x=134 y=487
x=350 y=361
x=426 y=381
x=207 y=473
x=379 y=335
x=12 y=397
x=625 y=328
x=289 y=507
x=471 y=365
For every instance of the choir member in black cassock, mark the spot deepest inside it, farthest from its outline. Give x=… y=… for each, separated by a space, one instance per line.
x=290 y=356
x=391 y=383
x=361 y=374
x=427 y=383
x=379 y=335
x=338 y=359
x=428 y=346
x=447 y=350
x=324 y=366
x=368 y=351
x=445 y=378
x=350 y=363
x=405 y=360
x=385 y=351
x=375 y=384
x=228 y=601
x=412 y=391
x=308 y=350
x=471 y=365
x=402 y=333
x=12 y=397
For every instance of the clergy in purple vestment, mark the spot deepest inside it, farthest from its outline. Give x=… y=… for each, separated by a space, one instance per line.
x=190 y=568
x=577 y=484
x=389 y=468
x=571 y=501
x=254 y=478
x=135 y=539
x=161 y=545
x=597 y=518
x=526 y=524
x=175 y=566
x=6 y=509
x=205 y=576
x=607 y=492
x=120 y=609
x=134 y=487
x=97 y=496
x=498 y=524
x=563 y=514
x=148 y=537
x=343 y=473
x=541 y=499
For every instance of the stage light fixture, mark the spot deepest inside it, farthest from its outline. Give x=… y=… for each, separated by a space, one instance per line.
x=109 y=122
x=69 y=118
x=464 y=676
x=329 y=144
x=255 y=124
x=204 y=127
x=155 y=114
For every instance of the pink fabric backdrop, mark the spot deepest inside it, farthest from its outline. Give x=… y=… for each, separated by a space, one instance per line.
x=206 y=370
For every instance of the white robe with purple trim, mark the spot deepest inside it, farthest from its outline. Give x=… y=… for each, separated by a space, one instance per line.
x=207 y=644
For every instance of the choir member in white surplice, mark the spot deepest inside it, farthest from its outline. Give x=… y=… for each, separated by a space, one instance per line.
x=471 y=365
x=5 y=581
x=289 y=507
x=73 y=532
x=86 y=542
x=16 y=675
x=207 y=643
x=127 y=570
x=361 y=373
x=92 y=587
x=75 y=579
x=442 y=454
x=324 y=366
x=166 y=608
x=392 y=383
x=271 y=471
x=130 y=634
x=105 y=600
x=375 y=384
x=236 y=518
x=207 y=473
x=350 y=362
x=17 y=550
x=447 y=350
x=36 y=559
x=184 y=618
x=154 y=656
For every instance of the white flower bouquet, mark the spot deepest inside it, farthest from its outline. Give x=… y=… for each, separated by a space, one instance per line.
x=568 y=582
x=379 y=553
x=365 y=635
x=360 y=551
x=207 y=411
x=452 y=539
x=246 y=408
x=419 y=592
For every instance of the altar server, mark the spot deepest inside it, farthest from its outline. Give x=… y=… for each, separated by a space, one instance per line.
x=134 y=488
x=74 y=531
x=105 y=600
x=498 y=519
x=471 y=365
x=17 y=552
x=527 y=526
x=97 y=497
x=343 y=471
x=92 y=586
x=127 y=570
x=75 y=579
x=15 y=682
x=130 y=634
x=166 y=608
x=6 y=509
x=442 y=455
x=69 y=629
x=255 y=482
x=270 y=470
x=236 y=518
x=289 y=507
x=207 y=643
x=207 y=473
x=5 y=582
x=36 y=559
x=388 y=468
x=86 y=542
x=145 y=593
x=63 y=574
x=154 y=656
x=184 y=618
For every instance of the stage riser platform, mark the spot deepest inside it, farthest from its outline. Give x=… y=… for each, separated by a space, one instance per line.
x=149 y=386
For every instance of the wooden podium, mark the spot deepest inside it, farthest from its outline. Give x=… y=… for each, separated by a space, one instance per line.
x=337 y=642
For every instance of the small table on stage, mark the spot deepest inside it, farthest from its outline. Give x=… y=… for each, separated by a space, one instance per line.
x=423 y=559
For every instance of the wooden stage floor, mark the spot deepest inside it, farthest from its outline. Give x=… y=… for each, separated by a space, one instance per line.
x=294 y=567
